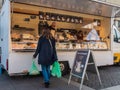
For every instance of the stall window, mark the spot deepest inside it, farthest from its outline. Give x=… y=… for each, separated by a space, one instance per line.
x=116 y=34
x=118 y=23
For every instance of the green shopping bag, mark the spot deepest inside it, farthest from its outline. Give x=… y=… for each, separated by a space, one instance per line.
x=56 y=70
x=33 y=70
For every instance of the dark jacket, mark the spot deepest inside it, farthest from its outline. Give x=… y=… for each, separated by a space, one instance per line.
x=46 y=53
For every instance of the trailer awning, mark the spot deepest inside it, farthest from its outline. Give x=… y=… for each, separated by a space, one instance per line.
x=82 y=6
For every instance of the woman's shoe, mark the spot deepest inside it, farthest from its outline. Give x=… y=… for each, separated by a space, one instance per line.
x=47 y=84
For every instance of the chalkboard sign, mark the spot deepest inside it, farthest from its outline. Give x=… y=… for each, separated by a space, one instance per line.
x=81 y=60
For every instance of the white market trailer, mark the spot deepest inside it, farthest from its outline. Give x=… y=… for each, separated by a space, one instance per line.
x=20 y=62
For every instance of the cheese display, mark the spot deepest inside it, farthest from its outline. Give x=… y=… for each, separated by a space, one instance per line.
x=27 y=36
x=97 y=45
x=16 y=37
x=18 y=46
x=67 y=38
x=24 y=46
x=23 y=42
x=84 y=45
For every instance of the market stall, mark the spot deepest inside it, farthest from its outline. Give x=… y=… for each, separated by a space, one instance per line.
x=26 y=30
x=26 y=21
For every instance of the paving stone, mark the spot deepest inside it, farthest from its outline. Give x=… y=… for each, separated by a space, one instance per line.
x=110 y=76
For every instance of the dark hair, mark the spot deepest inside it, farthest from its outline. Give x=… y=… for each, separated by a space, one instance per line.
x=46 y=33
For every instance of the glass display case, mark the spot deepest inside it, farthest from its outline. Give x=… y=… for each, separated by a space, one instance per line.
x=23 y=42
x=97 y=45
x=70 y=39
x=24 y=46
x=94 y=45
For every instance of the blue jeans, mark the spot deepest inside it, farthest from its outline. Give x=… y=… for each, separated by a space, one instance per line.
x=46 y=72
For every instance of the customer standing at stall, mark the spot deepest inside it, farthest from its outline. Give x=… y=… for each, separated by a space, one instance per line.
x=46 y=52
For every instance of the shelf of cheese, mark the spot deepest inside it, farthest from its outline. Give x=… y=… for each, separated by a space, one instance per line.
x=31 y=46
x=19 y=46
x=83 y=45
x=97 y=45
x=16 y=37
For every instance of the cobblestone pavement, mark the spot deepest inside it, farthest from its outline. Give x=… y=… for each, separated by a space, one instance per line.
x=110 y=76
x=35 y=83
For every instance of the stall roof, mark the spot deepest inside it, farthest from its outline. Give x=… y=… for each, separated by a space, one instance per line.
x=82 y=6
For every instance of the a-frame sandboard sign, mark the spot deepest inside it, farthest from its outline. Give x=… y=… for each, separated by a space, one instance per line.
x=83 y=59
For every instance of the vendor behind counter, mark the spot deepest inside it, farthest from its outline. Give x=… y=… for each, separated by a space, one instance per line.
x=93 y=35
